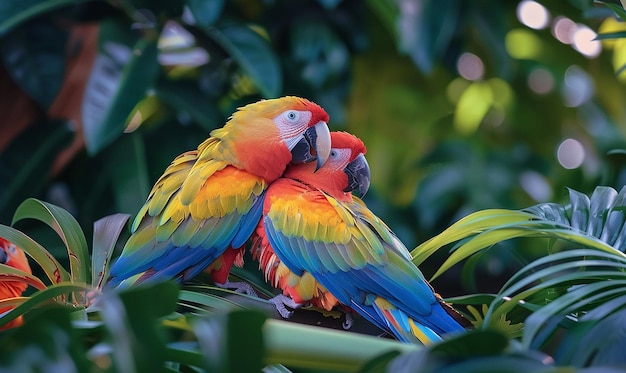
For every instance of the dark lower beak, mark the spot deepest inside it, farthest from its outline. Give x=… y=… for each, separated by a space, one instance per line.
x=314 y=145
x=358 y=172
x=3 y=256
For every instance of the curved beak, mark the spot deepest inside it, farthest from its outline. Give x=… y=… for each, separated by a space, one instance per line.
x=358 y=172
x=4 y=257
x=314 y=145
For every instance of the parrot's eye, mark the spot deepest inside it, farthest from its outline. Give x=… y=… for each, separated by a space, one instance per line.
x=333 y=153
x=292 y=116
x=12 y=248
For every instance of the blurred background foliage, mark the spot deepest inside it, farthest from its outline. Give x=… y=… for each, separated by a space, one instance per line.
x=464 y=105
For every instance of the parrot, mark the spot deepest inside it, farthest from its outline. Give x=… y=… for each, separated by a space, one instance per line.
x=12 y=256
x=207 y=203
x=319 y=230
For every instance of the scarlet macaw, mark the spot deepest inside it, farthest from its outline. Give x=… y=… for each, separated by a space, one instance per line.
x=12 y=256
x=318 y=229
x=210 y=200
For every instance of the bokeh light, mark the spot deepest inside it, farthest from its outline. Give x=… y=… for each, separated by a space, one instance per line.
x=540 y=81
x=571 y=154
x=470 y=66
x=533 y=14
x=577 y=86
x=536 y=186
x=584 y=41
x=522 y=44
x=563 y=29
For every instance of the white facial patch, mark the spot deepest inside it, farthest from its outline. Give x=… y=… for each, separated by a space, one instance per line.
x=291 y=125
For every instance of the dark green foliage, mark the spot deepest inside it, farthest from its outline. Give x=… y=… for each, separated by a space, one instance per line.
x=542 y=285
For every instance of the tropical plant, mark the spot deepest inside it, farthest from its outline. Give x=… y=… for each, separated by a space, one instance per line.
x=97 y=90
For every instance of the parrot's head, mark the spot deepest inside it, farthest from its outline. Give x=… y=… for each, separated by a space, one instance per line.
x=345 y=171
x=12 y=256
x=268 y=135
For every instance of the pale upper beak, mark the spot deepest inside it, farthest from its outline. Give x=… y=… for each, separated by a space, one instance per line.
x=314 y=145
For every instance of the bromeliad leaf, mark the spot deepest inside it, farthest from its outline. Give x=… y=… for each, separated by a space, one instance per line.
x=66 y=227
x=53 y=269
x=105 y=234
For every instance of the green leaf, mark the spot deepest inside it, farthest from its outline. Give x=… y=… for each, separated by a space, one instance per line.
x=426 y=33
x=379 y=363
x=471 y=344
x=253 y=54
x=468 y=226
x=45 y=342
x=594 y=342
x=128 y=167
x=209 y=301
x=66 y=227
x=205 y=12
x=187 y=98
x=300 y=346
x=602 y=200
x=186 y=353
x=15 y=12
x=129 y=320
x=580 y=210
x=41 y=297
x=618 y=9
x=222 y=337
x=34 y=55
x=26 y=158
x=8 y=274
x=53 y=269
x=159 y=8
x=105 y=234
x=611 y=35
x=121 y=76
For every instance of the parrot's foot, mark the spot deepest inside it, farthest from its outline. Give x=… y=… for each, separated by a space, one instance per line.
x=282 y=302
x=346 y=325
x=239 y=287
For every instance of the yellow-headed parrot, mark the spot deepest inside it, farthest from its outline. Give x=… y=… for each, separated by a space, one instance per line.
x=317 y=228
x=209 y=200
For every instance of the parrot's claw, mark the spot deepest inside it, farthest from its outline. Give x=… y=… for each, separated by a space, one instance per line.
x=346 y=325
x=282 y=302
x=239 y=287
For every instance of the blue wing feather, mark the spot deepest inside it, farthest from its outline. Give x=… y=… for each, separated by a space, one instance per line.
x=387 y=274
